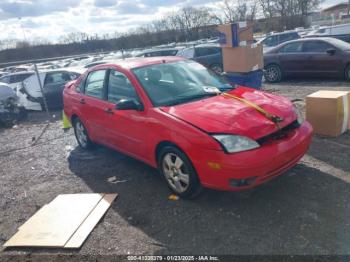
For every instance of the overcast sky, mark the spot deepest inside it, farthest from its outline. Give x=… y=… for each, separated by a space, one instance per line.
x=51 y=19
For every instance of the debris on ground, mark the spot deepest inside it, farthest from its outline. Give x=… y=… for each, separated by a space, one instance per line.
x=173 y=197
x=65 y=222
x=113 y=180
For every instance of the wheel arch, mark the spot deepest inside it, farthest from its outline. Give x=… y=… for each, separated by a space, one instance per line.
x=347 y=65
x=163 y=144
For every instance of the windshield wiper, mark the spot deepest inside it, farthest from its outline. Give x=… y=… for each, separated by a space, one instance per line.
x=185 y=99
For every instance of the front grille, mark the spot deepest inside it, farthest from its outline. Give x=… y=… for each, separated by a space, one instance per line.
x=280 y=134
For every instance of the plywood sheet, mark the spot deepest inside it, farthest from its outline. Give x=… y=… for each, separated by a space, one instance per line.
x=55 y=223
x=90 y=222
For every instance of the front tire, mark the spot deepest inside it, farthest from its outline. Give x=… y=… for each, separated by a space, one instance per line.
x=347 y=73
x=273 y=73
x=179 y=172
x=82 y=135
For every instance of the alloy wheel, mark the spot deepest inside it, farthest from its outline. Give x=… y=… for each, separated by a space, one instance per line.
x=176 y=172
x=272 y=74
x=81 y=134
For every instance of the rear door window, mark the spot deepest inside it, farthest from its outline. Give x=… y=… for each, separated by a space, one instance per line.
x=94 y=84
x=292 y=48
x=315 y=47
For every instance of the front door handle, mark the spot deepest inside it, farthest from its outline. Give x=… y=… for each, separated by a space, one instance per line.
x=82 y=101
x=109 y=111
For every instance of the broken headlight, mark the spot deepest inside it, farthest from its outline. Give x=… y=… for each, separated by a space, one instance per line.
x=234 y=144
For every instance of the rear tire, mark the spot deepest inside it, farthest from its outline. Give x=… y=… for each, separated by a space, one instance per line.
x=273 y=73
x=82 y=135
x=179 y=172
x=347 y=73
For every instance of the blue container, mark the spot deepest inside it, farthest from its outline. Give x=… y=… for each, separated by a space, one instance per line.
x=252 y=79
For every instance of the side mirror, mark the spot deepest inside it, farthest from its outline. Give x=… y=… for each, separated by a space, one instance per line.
x=331 y=51
x=129 y=104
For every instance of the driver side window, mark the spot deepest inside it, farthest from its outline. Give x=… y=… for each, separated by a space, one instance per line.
x=119 y=87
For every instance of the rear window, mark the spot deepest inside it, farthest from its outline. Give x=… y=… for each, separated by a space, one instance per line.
x=204 y=51
x=288 y=37
x=186 y=53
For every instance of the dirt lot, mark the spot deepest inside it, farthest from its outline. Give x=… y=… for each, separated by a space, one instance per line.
x=306 y=211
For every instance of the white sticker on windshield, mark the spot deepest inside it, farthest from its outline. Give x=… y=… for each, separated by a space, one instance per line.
x=211 y=89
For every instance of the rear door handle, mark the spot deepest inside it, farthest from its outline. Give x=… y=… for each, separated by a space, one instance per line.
x=82 y=101
x=109 y=111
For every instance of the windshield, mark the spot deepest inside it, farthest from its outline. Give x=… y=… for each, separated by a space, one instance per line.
x=179 y=82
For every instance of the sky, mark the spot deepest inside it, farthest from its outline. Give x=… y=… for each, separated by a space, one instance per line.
x=51 y=19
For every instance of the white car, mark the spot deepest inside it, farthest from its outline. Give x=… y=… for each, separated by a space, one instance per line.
x=15 y=80
x=53 y=82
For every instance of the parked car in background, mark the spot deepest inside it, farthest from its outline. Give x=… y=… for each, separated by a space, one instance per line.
x=94 y=64
x=15 y=78
x=322 y=56
x=53 y=84
x=9 y=107
x=158 y=52
x=170 y=113
x=209 y=55
x=341 y=32
x=276 y=39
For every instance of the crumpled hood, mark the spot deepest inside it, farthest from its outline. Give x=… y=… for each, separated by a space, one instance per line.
x=221 y=114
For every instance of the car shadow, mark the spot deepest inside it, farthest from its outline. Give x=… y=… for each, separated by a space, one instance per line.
x=337 y=153
x=304 y=211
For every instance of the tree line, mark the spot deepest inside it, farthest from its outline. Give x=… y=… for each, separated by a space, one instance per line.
x=185 y=24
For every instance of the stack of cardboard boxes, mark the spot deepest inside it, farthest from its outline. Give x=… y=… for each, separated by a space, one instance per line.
x=240 y=53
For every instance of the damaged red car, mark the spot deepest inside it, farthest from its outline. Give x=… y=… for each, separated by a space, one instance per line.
x=191 y=124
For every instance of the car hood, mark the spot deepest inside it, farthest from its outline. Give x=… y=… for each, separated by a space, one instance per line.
x=221 y=114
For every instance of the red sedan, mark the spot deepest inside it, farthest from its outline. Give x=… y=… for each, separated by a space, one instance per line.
x=180 y=117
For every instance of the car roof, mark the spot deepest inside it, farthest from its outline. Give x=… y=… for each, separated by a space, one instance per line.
x=135 y=62
x=208 y=45
x=327 y=39
x=285 y=32
x=20 y=73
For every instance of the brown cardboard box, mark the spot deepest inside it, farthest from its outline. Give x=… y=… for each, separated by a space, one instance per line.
x=237 y=34
x=328 y=112
x=243 y=59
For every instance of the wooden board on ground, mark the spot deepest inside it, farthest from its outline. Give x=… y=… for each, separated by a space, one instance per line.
x=90 y=222
x=56 y=223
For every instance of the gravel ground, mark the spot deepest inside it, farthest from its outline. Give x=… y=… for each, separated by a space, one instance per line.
x=305 y=211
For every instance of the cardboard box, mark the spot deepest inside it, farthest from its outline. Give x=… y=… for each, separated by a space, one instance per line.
x=235 y=35
x=243 y=59
x=328 y=112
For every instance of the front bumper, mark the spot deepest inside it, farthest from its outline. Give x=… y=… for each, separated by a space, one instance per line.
x=218 y=170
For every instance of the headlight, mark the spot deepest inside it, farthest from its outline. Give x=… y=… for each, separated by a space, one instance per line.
x=233 y=144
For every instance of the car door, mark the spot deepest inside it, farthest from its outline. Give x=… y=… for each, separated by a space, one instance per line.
x=291 y=58
x=92 y=106
x=318 y=61
x=53 y=88
x=124 y=128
